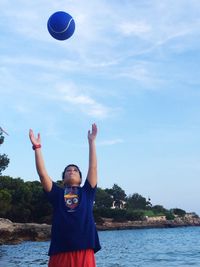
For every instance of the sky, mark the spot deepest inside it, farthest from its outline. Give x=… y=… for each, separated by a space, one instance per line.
x=132 y=67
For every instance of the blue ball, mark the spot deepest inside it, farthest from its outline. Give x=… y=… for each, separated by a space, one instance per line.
x=61 y=25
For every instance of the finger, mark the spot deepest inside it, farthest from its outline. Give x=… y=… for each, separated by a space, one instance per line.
x=94 y=128
x=94 y=125
x=31 y=133
x=31 y=136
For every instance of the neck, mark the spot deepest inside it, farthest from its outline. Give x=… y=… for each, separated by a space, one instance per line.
x=70 y=185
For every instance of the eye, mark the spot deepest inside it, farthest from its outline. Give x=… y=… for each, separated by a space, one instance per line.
x=69 y=202
x=75 y=200
x=69 y=170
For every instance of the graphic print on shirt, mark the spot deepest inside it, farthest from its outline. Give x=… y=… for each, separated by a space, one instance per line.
x=71 y=198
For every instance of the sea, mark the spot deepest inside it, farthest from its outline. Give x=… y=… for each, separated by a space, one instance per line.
x=121 y=248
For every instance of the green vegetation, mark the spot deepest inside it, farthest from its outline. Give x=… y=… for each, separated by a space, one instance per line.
x=4 y=160
x=25 y=202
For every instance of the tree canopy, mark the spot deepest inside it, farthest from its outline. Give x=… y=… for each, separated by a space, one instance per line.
x=136 y=201
x=117 y=194
x=26 y=202
x=4 y=160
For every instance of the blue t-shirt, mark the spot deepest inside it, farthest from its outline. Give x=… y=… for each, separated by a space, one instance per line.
x=73 y=226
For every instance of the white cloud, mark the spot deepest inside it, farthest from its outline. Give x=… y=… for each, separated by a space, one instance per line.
x=111 y=142
x=50 y=63
x=142 y=73
x=71 y=94
x=134 y=28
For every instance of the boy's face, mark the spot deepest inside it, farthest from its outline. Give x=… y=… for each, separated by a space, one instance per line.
x=72 y=176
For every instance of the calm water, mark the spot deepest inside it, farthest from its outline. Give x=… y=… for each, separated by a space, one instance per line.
x=129 y=248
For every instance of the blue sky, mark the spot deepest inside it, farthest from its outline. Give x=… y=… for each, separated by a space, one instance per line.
x=132 y=66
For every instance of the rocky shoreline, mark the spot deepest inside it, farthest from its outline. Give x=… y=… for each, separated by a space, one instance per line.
x=108 y=224
x=15 y=233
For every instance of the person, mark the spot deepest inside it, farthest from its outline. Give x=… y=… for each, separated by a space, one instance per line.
x=74 y=237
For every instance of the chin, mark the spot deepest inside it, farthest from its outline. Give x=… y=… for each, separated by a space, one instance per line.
x=71 y=181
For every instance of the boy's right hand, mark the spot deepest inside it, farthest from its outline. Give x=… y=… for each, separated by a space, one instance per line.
x=35 y=141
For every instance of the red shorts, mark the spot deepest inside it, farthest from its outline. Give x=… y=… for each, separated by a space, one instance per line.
x=81 y=258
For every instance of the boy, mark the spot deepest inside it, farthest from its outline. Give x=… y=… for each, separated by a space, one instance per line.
x=74 y=238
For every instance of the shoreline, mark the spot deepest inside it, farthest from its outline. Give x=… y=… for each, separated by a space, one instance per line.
x=12 y=233
x=108 y=224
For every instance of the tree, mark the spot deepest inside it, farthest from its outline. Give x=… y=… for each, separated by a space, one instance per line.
x=41 y=210
x=136 y=201
x=169 y=215
x=20 y=198
x=23 y=201
x=103 y=199
x=4 y=160
x=178 y=212
x=117 y=193
x=159 y=210
x=5 y=202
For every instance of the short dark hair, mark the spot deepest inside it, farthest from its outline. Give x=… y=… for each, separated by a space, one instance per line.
x=71 y=165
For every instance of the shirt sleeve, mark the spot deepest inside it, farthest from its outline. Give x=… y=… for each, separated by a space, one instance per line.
x=89 y=189
x=53 y=195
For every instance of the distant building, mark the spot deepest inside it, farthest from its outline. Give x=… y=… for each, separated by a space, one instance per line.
x=118 y=205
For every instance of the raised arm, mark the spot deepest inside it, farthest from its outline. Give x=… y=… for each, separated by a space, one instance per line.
x=92 y=169
x=40 y=166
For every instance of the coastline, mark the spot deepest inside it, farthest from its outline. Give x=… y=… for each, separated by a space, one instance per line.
x=108 y=224
x=15 y=233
